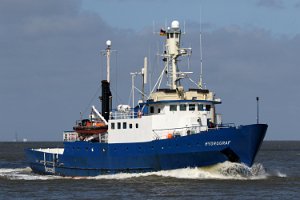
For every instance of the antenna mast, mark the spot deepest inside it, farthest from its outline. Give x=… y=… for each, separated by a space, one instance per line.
x=200 y=84
x=171 y=54
x=108 y=43
x=257 y=110
x=106 y=97
x=144 y=74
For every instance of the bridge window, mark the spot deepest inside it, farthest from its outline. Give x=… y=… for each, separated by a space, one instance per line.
x=136 y=125
x=112 y=125
x=130 y=126
x=191 y=107
x=158 y=110
x=151 y=109
x=119 y=125
x=182 y=107
x=208 y=107
x=124 y=125
x=200 y=107
x=173 y=107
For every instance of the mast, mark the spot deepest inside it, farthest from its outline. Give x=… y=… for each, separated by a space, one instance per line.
x=108 y=43
x=144 y=75
x=172 y=50
x=106 y=97
x=257 y=110
x=171 y=54
x=200 y=84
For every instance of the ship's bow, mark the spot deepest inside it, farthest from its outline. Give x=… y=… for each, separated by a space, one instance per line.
x=249 y=142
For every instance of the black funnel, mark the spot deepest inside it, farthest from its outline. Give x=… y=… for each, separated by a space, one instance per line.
x=106 y=99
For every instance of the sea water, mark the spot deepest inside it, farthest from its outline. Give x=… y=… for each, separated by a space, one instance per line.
x=275 y=175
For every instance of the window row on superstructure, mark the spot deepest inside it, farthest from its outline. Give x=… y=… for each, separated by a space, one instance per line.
x=123 y=125
x=183 y=107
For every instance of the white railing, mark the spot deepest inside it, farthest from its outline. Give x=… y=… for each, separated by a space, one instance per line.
x=175 y=132
x=70 y=136
x=183 y=131
x=103 y=138
x=125 y=115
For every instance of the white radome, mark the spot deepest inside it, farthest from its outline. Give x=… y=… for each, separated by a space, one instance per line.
x=108 y=43
x=175 y=24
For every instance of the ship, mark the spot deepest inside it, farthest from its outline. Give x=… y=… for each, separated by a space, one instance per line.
x=170 y=128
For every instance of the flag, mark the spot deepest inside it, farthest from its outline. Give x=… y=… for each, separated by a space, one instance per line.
x=162 y=32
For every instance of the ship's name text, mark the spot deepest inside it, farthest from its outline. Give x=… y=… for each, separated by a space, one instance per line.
x=217 y=143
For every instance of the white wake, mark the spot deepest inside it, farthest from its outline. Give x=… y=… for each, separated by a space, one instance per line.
x=221 y=171
x=23 y=174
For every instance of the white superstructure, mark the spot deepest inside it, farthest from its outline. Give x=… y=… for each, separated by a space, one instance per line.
x=167 y=112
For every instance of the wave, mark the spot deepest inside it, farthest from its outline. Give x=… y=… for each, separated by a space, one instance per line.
x=221 y=171
x=23 y=174
x=277 y=173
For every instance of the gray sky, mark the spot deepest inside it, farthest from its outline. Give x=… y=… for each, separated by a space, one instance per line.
x=51 y=68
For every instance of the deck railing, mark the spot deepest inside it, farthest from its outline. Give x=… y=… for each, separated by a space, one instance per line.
x=183 y=131
x=125 y=115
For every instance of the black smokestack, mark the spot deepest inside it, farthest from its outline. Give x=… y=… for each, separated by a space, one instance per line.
x=106 y=99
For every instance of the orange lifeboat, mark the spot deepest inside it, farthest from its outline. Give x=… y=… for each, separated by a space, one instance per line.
x=86 y=126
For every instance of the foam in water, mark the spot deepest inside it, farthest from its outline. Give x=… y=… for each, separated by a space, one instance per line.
x=23 y=174
x=222 y=171
x=279 y=174
x=226 y=170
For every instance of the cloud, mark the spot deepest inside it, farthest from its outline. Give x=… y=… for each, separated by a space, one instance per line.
x=51 y=67
x=50 y=56
x=48 y=51
x=297 y=5
x=241 y=64
x=277 y=4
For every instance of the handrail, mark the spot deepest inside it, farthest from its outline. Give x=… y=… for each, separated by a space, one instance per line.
x=226 y=125
x=194 y=129
x=123 y=115
x=185 y=127
x=179 y=131
x=126 y=115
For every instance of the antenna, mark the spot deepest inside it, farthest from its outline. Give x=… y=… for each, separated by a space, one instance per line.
x=257 y=110
x=153 y=24
x=166 y=22
x=132 y=89
x=107 y=52
x=108 y=43
x=144 y=74
x=145 y=70
x=201 y=58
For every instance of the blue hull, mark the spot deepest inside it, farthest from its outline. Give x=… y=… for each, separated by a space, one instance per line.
x=235 y=144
